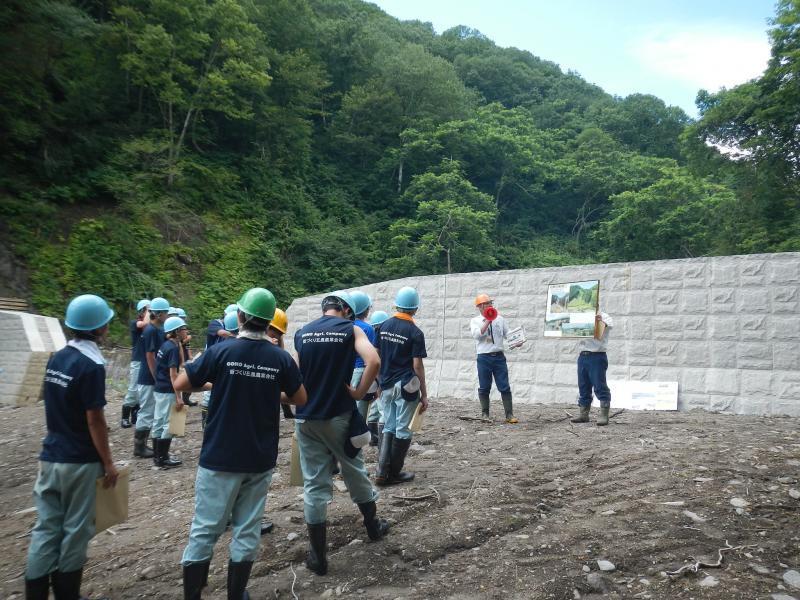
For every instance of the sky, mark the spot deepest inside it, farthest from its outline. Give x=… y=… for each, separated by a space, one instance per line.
x=669 y=48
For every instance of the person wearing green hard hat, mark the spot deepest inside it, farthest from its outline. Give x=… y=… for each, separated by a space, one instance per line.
x=168 y=363
x=402 y=380
x=75 y=453
x=330 y=424
x=152 y=338
x=130 y=404
x=249 y=378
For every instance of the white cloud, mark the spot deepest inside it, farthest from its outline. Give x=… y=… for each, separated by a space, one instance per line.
x=704 y=57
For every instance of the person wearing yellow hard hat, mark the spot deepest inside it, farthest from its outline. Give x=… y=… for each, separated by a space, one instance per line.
x=277 y=327
x=489 y=331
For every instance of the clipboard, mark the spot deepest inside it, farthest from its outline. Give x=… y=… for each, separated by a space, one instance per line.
x=111 y=503
x=177 y=420
x=295 y=472
x=416 y=421
x=516 y=337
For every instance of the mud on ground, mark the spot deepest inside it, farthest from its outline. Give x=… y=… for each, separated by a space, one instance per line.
x=506 y=511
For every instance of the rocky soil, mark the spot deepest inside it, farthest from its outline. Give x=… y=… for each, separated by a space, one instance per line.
x=543 y=509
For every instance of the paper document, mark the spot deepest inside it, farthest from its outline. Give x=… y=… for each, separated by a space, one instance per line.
x=417 y=419
x=177 y=420
x=516 y=337
x=295 y=472
x=112 y=503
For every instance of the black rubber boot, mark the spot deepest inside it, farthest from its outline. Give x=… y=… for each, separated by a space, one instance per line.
x=140 y=448
x=157 y=453
x=238 y=576
x=195 y=578
x=134 y=414
x=583 y=417
x=603 y=418
x=376 y=528
x=67 y=586
x=125 y=422
x=383 y=472
x=373 y=432
x=37 y=589
x=399 y=451
x=508 y=407
x=187 y=399
x=335 y=470
x=484 y=400
x=267 y=526
x=317 y=559
x=167 y=461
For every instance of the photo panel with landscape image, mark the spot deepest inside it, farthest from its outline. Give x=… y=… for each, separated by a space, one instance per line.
x=571 y=309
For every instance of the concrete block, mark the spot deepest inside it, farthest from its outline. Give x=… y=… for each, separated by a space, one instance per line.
x=641 y=353
x=780 y=407
x=723 y=328
x=692 y=401
x=753 y=405
x=667 y=276
x=756 y=383
x=639 y=328
x=725 y=404
x=694 y=327
x=754 y=355
x=693 y=381
x=694 y=301
x=786 y=385
x=667 y=354
x=783 y=272
x=785 y=356
x=667 y=328
x=722 y=382
x=723 y=300
x=753 y=327
x=641 y=373
x=723 y=355
x=695 y=275
x=614 y=303
x=724 y=273
x=753 y=272
x=753 y=300
x=784 y=328
x=695 y=354
x=641 y=276
x=667 y=302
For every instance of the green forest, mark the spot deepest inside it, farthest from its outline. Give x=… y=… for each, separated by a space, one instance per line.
x=193 y=149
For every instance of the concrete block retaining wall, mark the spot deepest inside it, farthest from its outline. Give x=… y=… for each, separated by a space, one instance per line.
x=727 y=329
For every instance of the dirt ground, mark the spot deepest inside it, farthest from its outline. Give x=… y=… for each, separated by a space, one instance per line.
x=502 y=511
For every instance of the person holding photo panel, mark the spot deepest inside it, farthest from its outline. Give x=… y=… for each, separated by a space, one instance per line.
x=592 y=367
x=489 y=331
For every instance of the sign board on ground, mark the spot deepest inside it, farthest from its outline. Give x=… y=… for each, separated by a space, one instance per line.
x=644 y=395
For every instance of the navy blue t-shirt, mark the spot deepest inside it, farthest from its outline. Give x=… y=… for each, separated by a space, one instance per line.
x=211 y=335
x=152 y=338
x=137 y=354
x=369 y=330
x=168 y=356
x=241 y=434
x=399 y=342
x=73 y=384
x=326 y=348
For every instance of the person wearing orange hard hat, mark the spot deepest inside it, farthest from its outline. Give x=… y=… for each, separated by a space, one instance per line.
x=489 y=331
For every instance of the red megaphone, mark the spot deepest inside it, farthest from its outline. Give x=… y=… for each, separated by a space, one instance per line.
x=490 y=313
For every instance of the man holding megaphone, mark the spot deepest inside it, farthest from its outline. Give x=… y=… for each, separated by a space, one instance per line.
x=489 y=331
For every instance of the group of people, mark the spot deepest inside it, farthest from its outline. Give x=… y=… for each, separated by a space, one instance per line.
x=353 y=381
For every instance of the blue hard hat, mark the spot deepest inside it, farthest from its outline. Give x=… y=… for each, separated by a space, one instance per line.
x=231 y=321
x=87 y=313
x=142 y=304
x=378 y=317
x=173 y=323
x=231 y=308
x=361 y=301
x=173 y=310
x=159 y=305
x=344 y=297
x=407 y=297
x=182 y=313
